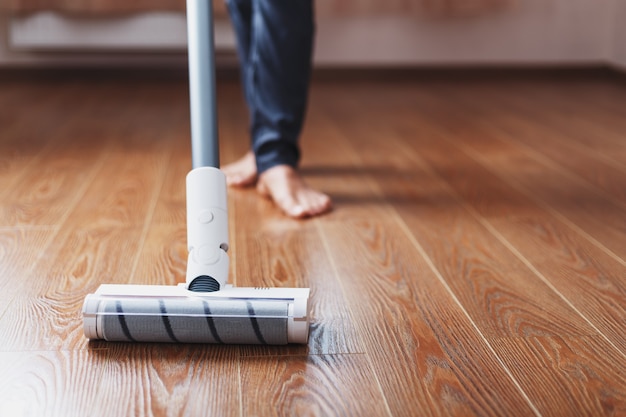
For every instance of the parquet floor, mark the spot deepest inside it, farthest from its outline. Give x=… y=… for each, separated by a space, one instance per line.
x=474 y=265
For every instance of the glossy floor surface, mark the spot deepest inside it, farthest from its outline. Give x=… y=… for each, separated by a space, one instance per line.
x=474 y=263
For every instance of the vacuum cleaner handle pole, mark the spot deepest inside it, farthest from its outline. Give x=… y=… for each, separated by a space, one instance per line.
x=201 y=53
x=207 y=213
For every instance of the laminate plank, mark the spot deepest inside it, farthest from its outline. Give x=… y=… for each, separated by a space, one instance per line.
x=106 y=226
x=171 y=206
x=560 y=151
x=502 y=296
x=59 y=173
x=549 y=146
x=124 y=191
x=313 y=385
x=138 y=380
x=542 y=238
x=31 y=139
x=486 y=279
x=20 y=249
x=405 y=317
x=442 y=284
x=546 y=240
x=51 y=383
x=166 y=379
x=114 y=207
x=35 y=108
x=332 y=165
x=596 y=109
x=606 y=95
x=584 y=275
x=276 y=256
x=583 y=124
x=564 y=377
x=163 y=256
x=45 y=313
x=397 y=303
x=524 y=310
x=47 y=194
x=546 y=237
x=576 y=202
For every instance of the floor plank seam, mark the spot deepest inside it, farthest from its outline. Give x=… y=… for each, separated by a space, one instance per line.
x=521 y=188
x=443 y=282
x=598 y=154
x=485 y=223
x=335 y=270
x=56 y=230
x=150 y=215
x=376 y=189
x=549 y=162
x=542 y=277
x=414 y=241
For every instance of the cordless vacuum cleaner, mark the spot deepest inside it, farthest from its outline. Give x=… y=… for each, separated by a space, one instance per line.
x=205 y=309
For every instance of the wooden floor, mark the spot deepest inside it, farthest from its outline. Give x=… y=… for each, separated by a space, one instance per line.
x=474 y=265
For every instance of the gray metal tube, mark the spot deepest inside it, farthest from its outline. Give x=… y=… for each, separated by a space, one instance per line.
x=201 y=52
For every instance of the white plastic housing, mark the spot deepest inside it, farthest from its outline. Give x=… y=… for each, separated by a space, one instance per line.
x=296 y=298
x=207 y=224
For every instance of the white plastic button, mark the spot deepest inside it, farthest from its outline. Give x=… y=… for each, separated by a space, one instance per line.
x=205 y=216
x=207 y=254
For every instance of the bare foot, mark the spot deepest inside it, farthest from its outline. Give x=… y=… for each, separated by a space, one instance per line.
x=292 y=195
x=242 y=172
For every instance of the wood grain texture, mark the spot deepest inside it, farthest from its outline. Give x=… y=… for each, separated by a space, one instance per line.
x=163 y=257
x=43 y=148
x=314 y=385
x=597 y=216
x=404 y=316
x=15 y=261
x=563 y=375
x=473 y=264
x=536 y=235
x=50 y=383
x=384 y=283
x=479 y=271
x=76 y=264
x=558 y=150
x=168 y=380
x=596 y=130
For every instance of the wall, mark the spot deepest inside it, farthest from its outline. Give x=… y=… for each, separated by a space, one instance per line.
x=10 y=57
x=158 y=39
x=531 y=32
x=619 y=34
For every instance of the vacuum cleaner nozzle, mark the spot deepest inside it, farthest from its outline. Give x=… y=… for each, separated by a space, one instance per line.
x=205 y=309
x=162 y=313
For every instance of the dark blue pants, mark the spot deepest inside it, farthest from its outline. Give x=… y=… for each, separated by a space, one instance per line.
x=275 y=44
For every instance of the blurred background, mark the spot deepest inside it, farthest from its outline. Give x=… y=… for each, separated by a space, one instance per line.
x=351 y=33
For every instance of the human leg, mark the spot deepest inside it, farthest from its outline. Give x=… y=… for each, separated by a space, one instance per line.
x=277 y=80
x=275 y=47
x=242 y=172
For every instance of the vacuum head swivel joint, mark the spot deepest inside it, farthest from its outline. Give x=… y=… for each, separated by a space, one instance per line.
x=207 y=230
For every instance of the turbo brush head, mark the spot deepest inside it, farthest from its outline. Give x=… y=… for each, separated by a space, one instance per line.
x=148 y=313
